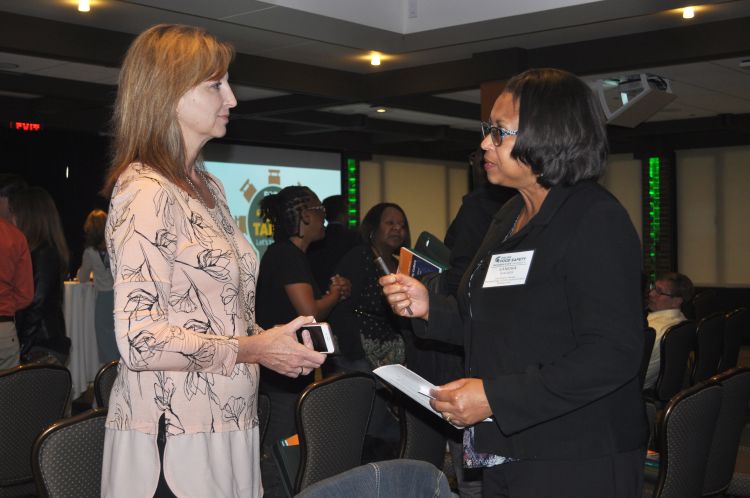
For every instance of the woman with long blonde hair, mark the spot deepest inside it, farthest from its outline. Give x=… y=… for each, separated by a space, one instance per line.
x=182 y=417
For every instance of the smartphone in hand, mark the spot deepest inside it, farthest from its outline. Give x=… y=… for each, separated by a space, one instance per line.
x=321 y=336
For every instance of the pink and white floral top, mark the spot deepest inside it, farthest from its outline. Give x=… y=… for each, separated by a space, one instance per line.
x=177 y=310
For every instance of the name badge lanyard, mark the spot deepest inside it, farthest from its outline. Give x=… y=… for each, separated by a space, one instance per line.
x=481 y=261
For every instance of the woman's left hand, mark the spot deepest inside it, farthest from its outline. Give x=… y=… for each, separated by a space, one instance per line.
x=462 y=402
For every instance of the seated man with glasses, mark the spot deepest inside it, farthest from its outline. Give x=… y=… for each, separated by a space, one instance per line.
x=665 y=298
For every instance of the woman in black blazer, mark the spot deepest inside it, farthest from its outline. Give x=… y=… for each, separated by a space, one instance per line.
x=549 y=311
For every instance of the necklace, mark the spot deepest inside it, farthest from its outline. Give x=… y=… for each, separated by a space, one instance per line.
x=512 y=228
x=218 y=215
x=222 y=222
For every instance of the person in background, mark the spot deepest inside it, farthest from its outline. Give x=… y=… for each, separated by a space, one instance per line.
x=369 y=334
x=16 y=289
x=666 y=297
x=325 y=254
x=41 y=325
x=468 y=228
x=549 y=309
x=9 y=183
x=95 y=260
x=182 y=417
x=16 y=279
x=287 y=288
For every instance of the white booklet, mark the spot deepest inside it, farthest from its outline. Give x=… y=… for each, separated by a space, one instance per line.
x=411 y=384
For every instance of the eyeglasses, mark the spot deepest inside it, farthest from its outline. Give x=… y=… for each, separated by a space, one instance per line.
x=320 y=208
x=654 y=288
x=496 y=133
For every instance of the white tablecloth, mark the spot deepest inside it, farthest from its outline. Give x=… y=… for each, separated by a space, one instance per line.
x=79 y=304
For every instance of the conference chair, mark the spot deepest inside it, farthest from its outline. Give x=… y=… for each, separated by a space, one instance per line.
x=67 y=456
x=685 y=438
x=733 y=323
x=391 y=478
x=31 y=398
x=735 y=395
x=103 y=382
x=649 y=337
x=705 y=303
x=332 y=418
x=675 y=346
x=709 y=339
x=422 y=433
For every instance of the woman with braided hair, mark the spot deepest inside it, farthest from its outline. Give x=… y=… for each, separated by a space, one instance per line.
x=287 y=288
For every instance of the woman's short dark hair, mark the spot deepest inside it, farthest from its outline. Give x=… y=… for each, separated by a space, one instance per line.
x=94 y=227
x=371 y=222
x=284 y=210
x=562 y=132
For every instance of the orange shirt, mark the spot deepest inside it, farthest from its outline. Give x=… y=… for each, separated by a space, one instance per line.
x=16 y=278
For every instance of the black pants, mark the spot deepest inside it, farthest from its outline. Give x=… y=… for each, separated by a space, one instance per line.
x=162 y=489
x=615 y=476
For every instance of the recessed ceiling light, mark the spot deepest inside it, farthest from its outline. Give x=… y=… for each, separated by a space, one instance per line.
x=381 y=109
x=688 y=13
x=84 y=6
x=375 y=58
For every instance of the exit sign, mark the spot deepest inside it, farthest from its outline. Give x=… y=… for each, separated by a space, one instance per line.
x=25 y=126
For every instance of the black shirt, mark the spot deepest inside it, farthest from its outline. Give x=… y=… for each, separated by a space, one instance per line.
x=283 y=263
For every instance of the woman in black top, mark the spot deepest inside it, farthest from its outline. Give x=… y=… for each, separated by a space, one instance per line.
x=41 y=326
x=286 y=289
x=549 y=309
x=365 y=326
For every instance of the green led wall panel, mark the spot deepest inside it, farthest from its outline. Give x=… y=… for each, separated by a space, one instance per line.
x=351 y=191
x=653 y=215
x=659 y=215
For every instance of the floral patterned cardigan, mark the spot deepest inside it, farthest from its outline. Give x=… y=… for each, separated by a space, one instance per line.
x=178 y=310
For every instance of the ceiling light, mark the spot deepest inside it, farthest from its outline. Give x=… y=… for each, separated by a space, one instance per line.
x=84 y=6
x=381 y=109
x=688 y=13
x=375 y=58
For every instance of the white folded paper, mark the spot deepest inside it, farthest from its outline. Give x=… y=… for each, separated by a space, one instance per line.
x=411 y=384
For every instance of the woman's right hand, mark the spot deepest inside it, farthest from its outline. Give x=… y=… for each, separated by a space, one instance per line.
x=278 y=349
x=405 y=292
x=342 y=285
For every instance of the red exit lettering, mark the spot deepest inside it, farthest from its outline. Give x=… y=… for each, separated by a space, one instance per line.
x=25 y=126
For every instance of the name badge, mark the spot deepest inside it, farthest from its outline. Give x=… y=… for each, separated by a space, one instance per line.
x=510 y=268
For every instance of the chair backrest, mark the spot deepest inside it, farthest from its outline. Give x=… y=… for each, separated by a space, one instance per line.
x=675 y=347
x=31 y=398
x=709 y=341
x=705 y=303
x=264 y=413
x=735 y=394
x=422 y=436
x=390 y=478
x=733 y=322
x=685 y=436
x=67 y=456
x=649 y=337
x=332 y=418
x=103 y=382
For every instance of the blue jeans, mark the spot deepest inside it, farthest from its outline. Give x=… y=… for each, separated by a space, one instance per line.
x=387 y=479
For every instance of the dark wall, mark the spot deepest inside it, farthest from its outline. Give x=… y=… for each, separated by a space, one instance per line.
x=42 y=157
